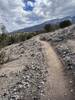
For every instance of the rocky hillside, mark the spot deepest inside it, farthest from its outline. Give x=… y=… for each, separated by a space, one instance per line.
x=41 y=68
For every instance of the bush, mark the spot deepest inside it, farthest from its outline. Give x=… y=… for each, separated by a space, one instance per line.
x=65 y=23
x=2 y=37
x=8 y=39
x=48 y=27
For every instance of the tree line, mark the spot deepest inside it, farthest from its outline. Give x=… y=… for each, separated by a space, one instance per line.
x=8 y=39
x=63 y=24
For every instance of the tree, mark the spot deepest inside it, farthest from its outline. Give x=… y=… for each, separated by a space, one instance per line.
x=3 y=29
x=10 y=40
x=48 y=27
x=65 y=23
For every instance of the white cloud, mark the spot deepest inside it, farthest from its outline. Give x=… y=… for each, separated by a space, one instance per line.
x=14 y=16
x=29 y=3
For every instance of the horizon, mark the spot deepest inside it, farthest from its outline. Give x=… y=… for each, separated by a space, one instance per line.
x=20 y=14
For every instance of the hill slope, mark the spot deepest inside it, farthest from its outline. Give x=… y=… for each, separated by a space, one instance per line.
x=41 y=26
x=41 y=68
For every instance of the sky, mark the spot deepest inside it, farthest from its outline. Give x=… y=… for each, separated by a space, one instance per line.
x=17 y=14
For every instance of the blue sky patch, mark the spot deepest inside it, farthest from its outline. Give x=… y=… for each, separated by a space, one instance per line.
x=29 y=5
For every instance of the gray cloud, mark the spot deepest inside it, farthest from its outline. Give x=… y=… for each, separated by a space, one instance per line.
x=15 y=17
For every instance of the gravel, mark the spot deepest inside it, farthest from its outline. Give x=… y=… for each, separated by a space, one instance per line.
x=27 y=84
x=28 y=79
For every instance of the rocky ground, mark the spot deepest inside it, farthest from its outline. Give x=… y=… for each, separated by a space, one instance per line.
x=24 y=70
x=63 y=42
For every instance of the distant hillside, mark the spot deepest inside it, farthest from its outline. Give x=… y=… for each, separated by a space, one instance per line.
x=41 y=26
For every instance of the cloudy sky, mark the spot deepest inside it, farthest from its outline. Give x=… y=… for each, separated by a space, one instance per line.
x=17 y=14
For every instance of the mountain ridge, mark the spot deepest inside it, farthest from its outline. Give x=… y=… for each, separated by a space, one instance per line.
x=40 y=27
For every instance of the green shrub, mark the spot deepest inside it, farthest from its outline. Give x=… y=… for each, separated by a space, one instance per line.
x=48 y=28
x=2 y=37
x=65 y=23
x=8 y=39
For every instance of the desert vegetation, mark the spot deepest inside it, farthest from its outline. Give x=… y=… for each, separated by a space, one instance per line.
x=53 y=27
x=65 y=23
x=8 y=39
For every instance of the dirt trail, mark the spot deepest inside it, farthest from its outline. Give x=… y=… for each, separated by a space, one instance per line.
x=57 y=84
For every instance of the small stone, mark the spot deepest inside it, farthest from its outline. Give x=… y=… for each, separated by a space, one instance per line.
x=42 y=92
x=71 y=90
x=65 y=94
x=70 y=82
x=42 y=82
x=32 y=55
x=4 y=94
x=20 y=86
x=3 y=75
x=39 y=87
x=69 y=67
x=35 y=98
x=14 y=89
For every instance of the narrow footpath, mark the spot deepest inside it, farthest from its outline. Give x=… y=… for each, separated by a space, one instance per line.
x=57 y=83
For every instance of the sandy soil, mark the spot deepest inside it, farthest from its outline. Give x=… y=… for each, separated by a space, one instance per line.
x=38 y=56
x=57 y=83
